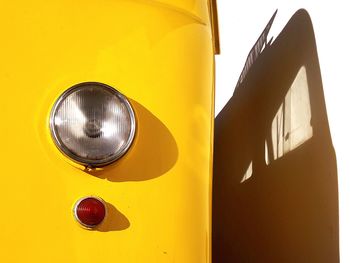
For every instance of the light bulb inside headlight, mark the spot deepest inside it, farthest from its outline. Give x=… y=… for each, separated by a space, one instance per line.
x=93 y=124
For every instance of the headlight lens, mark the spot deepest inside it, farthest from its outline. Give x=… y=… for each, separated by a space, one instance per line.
x=93 y=124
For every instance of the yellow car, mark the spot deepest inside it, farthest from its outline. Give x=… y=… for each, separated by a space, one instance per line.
x=106 y=131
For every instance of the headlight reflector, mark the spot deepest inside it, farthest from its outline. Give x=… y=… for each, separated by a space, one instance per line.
x=93 y=124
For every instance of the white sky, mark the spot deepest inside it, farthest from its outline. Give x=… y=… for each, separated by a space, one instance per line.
x=241 y=23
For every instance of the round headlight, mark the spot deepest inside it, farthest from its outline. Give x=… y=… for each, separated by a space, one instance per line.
x=93 y=124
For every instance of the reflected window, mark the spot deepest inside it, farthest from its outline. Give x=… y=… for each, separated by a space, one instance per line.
x=248 y=173
x=291 y=125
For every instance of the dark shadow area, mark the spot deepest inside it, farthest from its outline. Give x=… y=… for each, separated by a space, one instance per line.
x=114 y=221
x=153 y=152
x=275 y=196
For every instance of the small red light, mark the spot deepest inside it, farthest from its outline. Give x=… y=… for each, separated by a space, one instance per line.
x=90 y=211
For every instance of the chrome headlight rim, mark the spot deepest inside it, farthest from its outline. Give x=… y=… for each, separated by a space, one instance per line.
x=91 y=163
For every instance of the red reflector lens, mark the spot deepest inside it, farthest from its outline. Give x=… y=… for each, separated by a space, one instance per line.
x=90 y=211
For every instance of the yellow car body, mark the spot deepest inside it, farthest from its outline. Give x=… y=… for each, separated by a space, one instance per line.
x=160 y=55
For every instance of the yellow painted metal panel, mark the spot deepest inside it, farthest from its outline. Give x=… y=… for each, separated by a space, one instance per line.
x=161 y=57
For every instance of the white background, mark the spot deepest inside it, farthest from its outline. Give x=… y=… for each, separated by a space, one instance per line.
x=241 y=23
